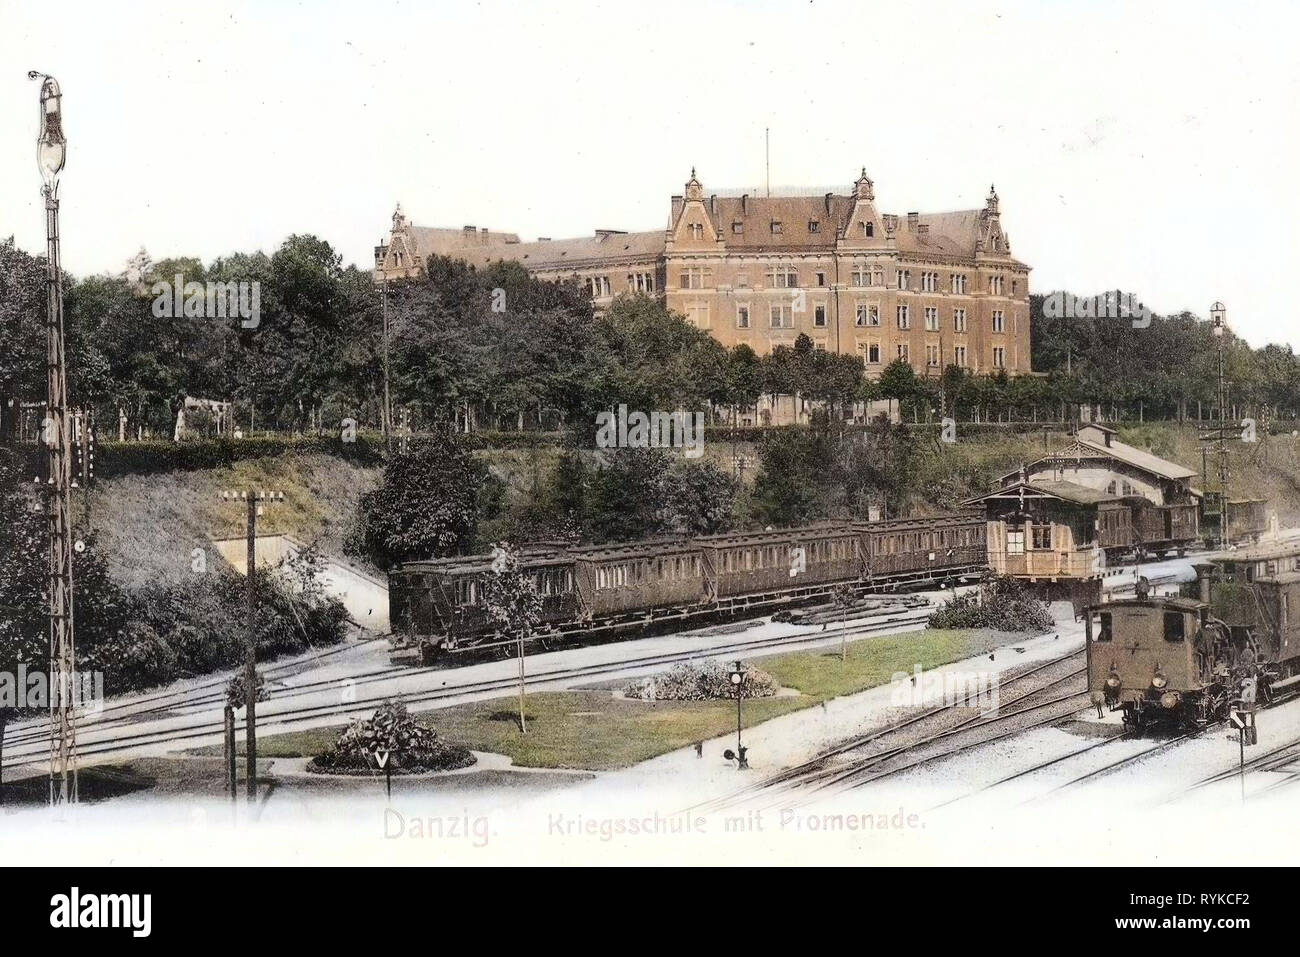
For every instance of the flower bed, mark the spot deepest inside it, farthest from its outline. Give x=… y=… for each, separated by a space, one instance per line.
x=702 y=681
x=412 y=748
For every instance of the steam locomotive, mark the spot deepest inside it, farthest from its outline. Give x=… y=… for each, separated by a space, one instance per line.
x=1231 y=636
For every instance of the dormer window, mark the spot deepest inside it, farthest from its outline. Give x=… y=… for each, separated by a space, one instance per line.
x=697 y=230
x=737 y=228
x=868 y=229
x=776 y=227
x=814 y=226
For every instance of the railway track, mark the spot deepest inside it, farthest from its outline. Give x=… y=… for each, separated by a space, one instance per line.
x=1278 y=757
x=1282 y=758
x=902 y=745
x=36 y=738
x=212 y=692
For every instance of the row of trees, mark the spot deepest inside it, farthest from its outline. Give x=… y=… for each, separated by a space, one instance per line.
x=497 y=348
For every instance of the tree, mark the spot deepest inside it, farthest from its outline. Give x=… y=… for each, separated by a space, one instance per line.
x=791 y=483
x=426 y=506
x=744 y=379
x=22 y=333
x=630 y=496
x=898 y=382
x=512 y=602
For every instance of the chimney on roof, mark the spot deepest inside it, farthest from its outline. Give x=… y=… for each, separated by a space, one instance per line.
x=543 y=239
x=483 y=235
x=713 y=205
x=744 y=205
x=923 y=231
x=912 y=220
x=828 y=202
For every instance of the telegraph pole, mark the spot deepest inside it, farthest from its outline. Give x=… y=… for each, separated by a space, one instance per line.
x=253 y=498
x=51 y=153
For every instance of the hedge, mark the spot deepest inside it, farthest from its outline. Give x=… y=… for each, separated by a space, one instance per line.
x=115 y=459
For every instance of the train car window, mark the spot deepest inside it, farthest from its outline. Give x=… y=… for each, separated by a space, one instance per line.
x=1174 y=626
x=1104 y=625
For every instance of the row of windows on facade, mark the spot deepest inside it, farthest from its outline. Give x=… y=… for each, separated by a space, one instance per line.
x=598 y=287
x=870 y=354
x=781 y=316
x=776 y=227
x=787 y=277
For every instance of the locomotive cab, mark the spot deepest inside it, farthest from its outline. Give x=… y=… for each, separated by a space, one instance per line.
x=1155 y=659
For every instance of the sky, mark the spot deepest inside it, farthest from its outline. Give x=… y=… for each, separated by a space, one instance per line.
x=1147 y=147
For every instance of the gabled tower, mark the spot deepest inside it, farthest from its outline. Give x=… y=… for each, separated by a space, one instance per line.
x=864 y=224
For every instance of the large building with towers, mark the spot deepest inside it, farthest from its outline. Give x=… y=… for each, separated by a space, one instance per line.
x=936 y=289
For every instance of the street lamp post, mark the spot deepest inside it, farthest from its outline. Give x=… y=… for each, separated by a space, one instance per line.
x=51 y=153
x=737 y=677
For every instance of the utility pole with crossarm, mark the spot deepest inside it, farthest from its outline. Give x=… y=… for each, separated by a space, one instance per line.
x=254 y=499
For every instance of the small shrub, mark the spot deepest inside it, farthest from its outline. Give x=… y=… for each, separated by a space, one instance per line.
x=694 y=681
x=1002 y=604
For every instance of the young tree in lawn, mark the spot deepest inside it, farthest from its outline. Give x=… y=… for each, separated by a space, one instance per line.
x=510 y=595
x=842 y=595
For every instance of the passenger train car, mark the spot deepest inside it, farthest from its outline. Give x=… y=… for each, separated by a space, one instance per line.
x=436 y=607
x=1233 y=635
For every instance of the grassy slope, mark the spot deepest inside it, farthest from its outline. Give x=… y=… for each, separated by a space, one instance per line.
x=147 y=525
x=1268 y=469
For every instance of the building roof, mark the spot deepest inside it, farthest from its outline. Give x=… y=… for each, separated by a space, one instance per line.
x=552 y=254
x=951 y=234
x=1139 y=459
x=1145 y=461
x=1268 y=551
x=429 y=241
x=1066 y=491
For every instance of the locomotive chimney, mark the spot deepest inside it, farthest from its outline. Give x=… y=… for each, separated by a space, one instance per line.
x=1203 y=571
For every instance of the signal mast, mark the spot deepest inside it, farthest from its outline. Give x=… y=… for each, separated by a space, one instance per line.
x=51 y=152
